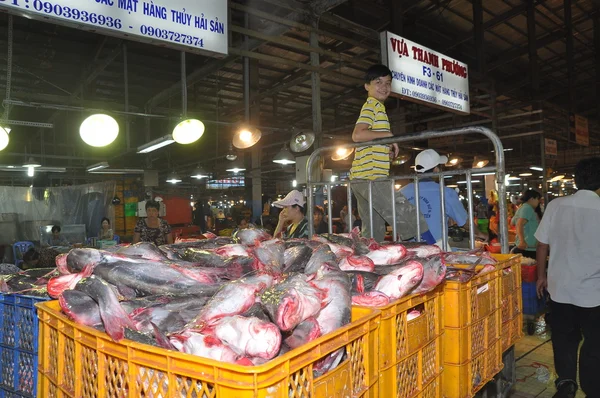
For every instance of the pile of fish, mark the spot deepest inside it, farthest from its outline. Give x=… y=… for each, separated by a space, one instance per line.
x=32 y=282
x=243 y=300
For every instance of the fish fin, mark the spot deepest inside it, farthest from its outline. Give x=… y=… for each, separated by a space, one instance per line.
x=161 y=338
x=115 y=320
x=244 y=361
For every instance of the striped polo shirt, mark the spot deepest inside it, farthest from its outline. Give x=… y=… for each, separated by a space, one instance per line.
x=372 y=162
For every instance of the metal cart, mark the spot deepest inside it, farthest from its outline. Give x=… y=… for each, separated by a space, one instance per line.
x=505 y=379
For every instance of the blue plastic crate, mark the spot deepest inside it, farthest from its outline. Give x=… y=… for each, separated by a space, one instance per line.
x=532 y=305
x=18 y=345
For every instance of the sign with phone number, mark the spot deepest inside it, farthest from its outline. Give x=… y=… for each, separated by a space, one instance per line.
x=197 y=26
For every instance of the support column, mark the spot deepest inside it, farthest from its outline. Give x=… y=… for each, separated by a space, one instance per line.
x=534 y=77
x=570 y=53
x=398 y=116
x=478 y=35
x=315 y=79
x=597 y=47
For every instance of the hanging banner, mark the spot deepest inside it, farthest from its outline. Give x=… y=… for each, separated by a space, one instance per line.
x=422 y=75
x=579 y=127
x=195 y=26
x=550 y=147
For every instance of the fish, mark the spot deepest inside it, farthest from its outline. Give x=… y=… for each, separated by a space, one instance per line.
x=145 y=250
x=371 y=299
x=8 y=269
x=257 y=311
x=170 y=253
x=231 y=250
x=249 y=236
x=470 y=259
x=78 y=259
x=363 y=281
x=57 y=285
x=114 y=317
x=207 y=347
x=386 y=254
x=401 y=281
x=357 y=263
x=295 y=258
x=80 y=307
x=148 y=278
x=270 y=254
x=249 y=337
x=340 y=251
x=413 y=315
x=320 y=256
x=292 y=301
x=233 y=298
x=417 y=249
x=434 y=273
x=307 y=331
x=487 y=268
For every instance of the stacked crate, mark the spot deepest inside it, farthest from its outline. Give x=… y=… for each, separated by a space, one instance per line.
x=511 y=305
x=472 y=346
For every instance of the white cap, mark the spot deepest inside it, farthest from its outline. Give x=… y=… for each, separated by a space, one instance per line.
x=293 y=198
x=428 y=159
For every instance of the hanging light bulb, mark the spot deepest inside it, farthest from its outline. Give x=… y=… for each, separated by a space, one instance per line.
x=199 y=173
x=31 y=165
x=4 y=137
x=173 y=178
x=479 y=162
x=246 y=137
x=301 y=141
x=453 y=161
x=341 y=153
x=236 y=166
x=188 y=131
x=284 y=156
x=231 y=155
x=99 y=130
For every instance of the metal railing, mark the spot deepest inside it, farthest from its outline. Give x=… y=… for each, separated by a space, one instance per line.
x=498 y=169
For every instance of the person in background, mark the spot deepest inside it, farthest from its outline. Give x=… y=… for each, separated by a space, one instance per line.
x=202 y=216
x=319 y=223
x=242 y=223
x=56 y=239
x=372 y=162
x=152 y=229
x=429 y=194
x=31 y=259
x=292 y=223
x=526 y=221
x=569 y=230
x=357 y=220
x=344 y=214
x=106 y=232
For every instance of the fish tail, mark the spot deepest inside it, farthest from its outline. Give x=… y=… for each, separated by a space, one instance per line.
x=115 y=321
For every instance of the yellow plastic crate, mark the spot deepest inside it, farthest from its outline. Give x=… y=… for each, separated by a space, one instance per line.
x=509 y=266
x=465 y=380
x=418 y=375
x=512 y=331
x=466 y=303
x=406 y=344
x=511 y=305
x=464 y=344
x=78 y=361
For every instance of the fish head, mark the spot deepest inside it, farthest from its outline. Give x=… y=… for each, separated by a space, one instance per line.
x=411 y=274
x=371 y=299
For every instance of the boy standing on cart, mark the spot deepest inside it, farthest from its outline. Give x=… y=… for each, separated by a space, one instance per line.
x=372 y=162
x=570 y=228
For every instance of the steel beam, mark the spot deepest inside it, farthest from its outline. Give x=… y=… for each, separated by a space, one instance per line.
x=568 y=20
x=534 y=77
x=315 y=79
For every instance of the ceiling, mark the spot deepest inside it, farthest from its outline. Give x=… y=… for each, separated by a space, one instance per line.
x=59 y=75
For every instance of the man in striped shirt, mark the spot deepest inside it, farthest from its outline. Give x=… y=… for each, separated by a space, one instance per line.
x=372 y=162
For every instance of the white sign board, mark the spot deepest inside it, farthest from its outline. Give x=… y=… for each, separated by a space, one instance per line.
x=192 y=25
x=423 y=75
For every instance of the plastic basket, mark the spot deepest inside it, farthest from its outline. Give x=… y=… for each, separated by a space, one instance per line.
x=511 y=306
x=465 y=380
x=410 y=345
x=510 y=272
x=18 y=345
x=512 y=331
x=464 y=344
x=529 y=273
x=78 y=361
x=532 y=305
x=466 y=303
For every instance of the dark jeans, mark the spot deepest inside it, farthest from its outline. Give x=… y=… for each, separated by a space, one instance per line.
x=525 y=253
x=569 y=323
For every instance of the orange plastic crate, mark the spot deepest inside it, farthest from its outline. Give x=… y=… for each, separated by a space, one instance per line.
x=410 y=345
x=510 y=272
x=463 y=344
x=466 y=303
x=511 y=305
x=78 y=361
x=465 y=380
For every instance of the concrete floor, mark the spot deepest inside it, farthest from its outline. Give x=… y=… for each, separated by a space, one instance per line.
x=534 y=358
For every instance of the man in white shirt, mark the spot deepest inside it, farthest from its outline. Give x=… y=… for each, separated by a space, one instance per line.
x=571 y=228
